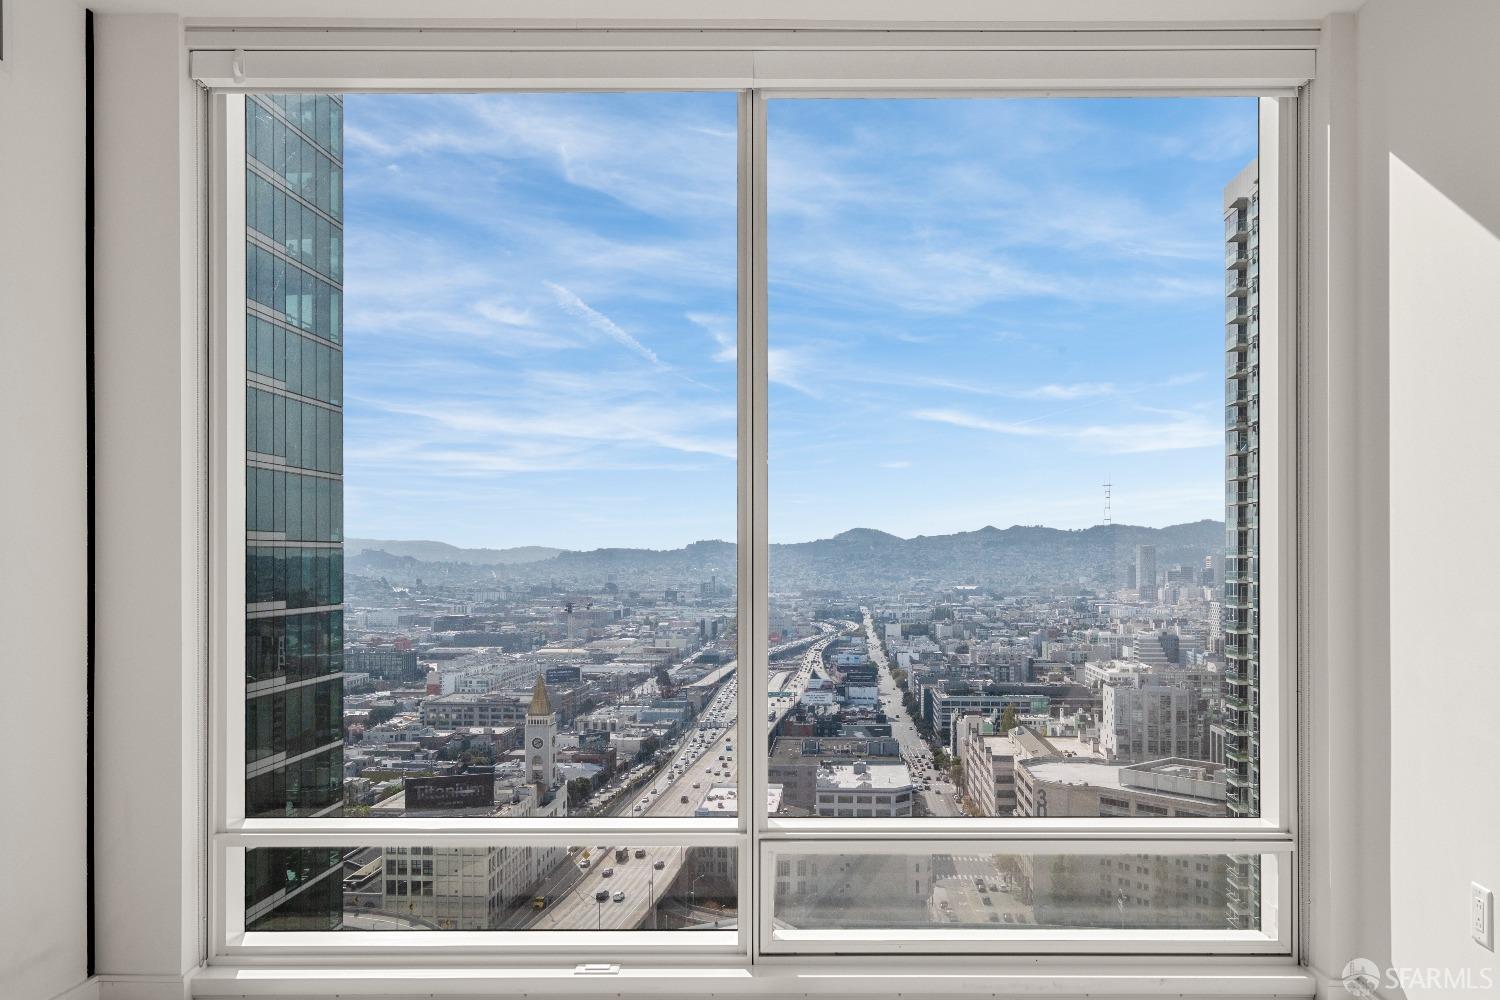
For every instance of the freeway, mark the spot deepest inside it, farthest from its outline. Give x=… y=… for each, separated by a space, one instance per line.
x=705 y=757
x=940 y=797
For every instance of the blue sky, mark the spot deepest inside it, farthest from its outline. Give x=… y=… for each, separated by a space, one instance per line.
x=980 y=311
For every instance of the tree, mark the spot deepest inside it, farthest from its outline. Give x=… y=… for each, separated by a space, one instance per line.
x=579 y=789
x=381 y=713
x=1008 y=719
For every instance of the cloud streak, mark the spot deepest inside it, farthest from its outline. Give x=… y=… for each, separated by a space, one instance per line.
x=598 y=321
x=1180 y=432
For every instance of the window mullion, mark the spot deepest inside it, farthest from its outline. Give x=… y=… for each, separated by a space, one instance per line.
x=754 y=380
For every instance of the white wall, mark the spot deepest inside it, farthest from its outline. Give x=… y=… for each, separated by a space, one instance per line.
x=149 y=429
x=1429 y=274
x=42 y=514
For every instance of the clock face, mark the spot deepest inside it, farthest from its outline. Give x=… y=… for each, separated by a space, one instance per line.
x=536 y=743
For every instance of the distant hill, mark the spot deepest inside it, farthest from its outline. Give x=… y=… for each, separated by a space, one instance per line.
x=442 y=552
x=860 y=559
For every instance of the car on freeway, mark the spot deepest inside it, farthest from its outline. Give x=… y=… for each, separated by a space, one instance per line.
x=601 y=895
x=583 y=864
x=640 y=852
x=619 y=897
x=659 y=865
x=607 y=873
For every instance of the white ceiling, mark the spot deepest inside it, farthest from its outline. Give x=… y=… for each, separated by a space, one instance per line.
x=763 y=12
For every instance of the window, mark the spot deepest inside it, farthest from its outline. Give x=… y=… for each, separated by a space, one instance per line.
x=560 y=408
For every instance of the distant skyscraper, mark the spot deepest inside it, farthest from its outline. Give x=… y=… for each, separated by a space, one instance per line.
x=294 y=509
x=1241 y=585
x=1145 y=572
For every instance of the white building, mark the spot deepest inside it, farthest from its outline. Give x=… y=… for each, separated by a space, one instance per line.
x=989 y=766
x=863 y=789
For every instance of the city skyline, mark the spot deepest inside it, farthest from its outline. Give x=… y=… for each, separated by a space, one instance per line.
x=566 y=377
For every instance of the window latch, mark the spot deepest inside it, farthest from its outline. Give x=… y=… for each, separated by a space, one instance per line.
x=596 y=969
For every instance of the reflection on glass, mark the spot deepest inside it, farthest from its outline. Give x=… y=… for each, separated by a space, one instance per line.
x=533 y=888
x=1016 y=891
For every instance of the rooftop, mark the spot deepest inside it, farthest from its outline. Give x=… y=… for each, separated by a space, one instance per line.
x=1155 y=777
x=723 y=800
x=863 y=775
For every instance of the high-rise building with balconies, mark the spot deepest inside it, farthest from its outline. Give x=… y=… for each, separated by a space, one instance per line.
x=1240 y=615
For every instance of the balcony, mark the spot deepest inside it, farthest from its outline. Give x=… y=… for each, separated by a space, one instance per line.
x=1241 y=875
x=1237 y=225
x=1236 y=309
x=1235 y=255
x=1236 y=335
x=1246 y=492
x=1236 y=282
x=1237 y=727
x=1241 y=466
x=1237 y=596
x=1246 y=911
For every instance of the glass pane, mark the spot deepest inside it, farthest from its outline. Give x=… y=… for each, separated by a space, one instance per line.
x=540 y=445
x=1018 y=892
x=1000 y=583
x=513 y=888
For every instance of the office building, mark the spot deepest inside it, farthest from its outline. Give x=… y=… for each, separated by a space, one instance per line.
x=989 y=760
x=863 y=789
x=795 y=762
x=1145 y=572
x=293 y=496
x=1156 y=712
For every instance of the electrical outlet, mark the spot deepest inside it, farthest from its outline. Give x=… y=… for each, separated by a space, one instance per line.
x=1482 y=915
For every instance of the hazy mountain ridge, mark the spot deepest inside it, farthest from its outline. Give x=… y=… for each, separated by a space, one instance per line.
x=856 y=559
x=439 y=552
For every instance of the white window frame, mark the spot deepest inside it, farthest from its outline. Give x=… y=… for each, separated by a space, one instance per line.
x=761 y=66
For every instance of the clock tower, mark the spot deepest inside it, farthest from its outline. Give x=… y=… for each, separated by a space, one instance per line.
x=541 y=737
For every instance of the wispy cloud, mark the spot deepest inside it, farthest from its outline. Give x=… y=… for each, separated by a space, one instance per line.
x=1075 y=390
x=596 y=319
x=1182 y=431
x=722 y=330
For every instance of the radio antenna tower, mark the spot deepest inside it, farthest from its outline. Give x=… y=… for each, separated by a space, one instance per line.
x=1107 y=485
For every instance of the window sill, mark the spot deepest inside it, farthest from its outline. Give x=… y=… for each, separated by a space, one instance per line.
x=1001 y=978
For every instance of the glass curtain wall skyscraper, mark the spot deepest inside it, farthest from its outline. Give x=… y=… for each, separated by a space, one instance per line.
x=1241 y=599
x=293 y=496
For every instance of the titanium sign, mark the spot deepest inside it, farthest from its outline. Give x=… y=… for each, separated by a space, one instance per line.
x=454 y=791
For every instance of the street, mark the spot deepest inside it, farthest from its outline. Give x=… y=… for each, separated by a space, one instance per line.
x=939 y=797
